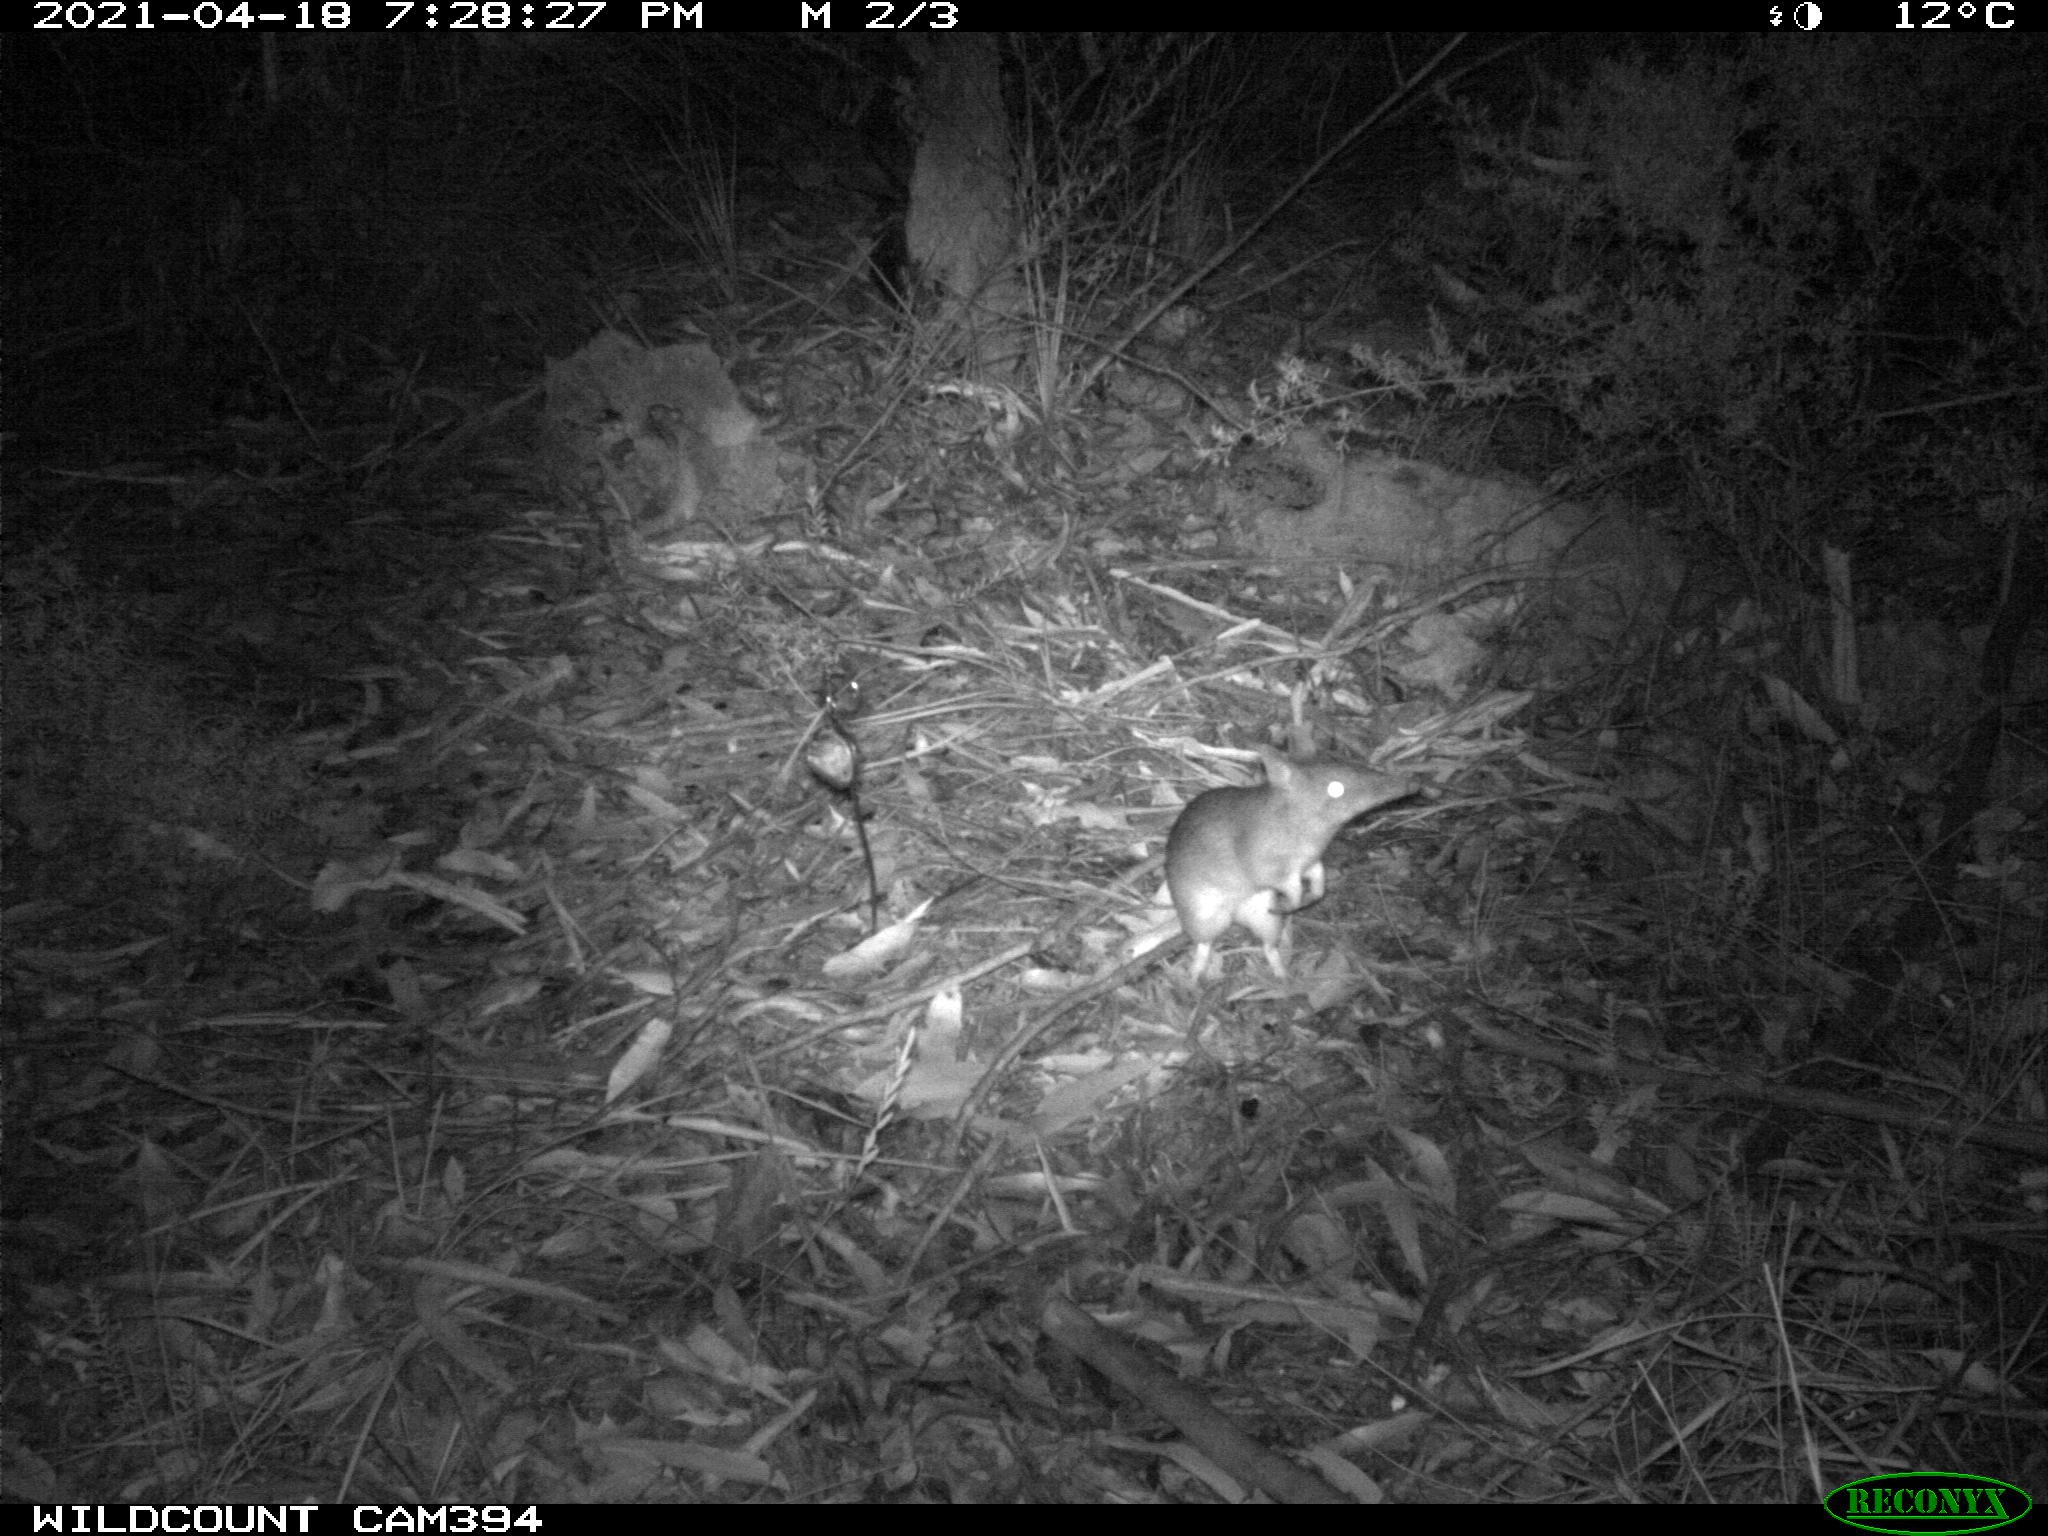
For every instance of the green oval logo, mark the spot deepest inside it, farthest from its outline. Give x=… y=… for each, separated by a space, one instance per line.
x=1928 y=1503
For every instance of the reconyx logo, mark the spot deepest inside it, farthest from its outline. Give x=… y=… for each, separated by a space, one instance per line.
x=1928 y=1503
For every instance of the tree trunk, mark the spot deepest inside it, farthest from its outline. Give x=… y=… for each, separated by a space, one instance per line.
x=960 y=226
